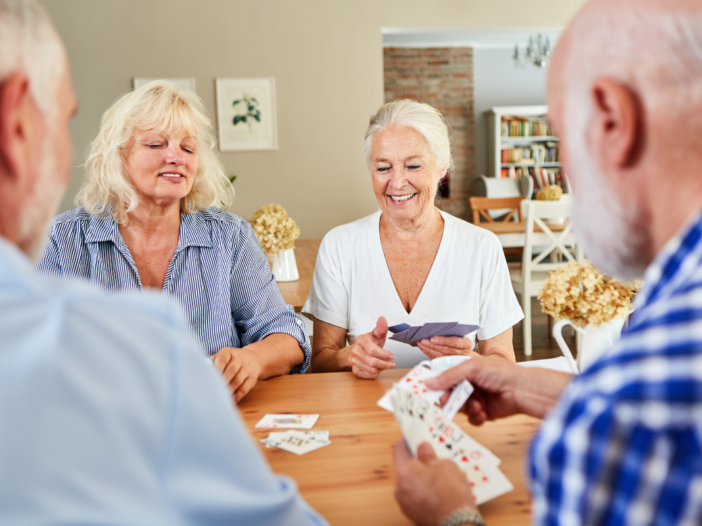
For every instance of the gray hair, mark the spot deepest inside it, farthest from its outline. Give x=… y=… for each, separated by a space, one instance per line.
x=30 y=43
x=421 y=117
x=656 y=50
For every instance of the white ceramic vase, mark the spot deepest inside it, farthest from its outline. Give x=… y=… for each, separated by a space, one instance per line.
x=284 y=266
x=594 y=341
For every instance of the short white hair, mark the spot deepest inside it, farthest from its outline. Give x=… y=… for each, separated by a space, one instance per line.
x=164 y=108
x=421 y=117
x=30 y=43
x=656 y=50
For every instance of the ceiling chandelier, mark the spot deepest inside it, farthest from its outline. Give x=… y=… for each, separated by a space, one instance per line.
x=537 y=52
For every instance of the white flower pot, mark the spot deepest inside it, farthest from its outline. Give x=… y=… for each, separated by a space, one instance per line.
x=284 y=266
x=594 y=342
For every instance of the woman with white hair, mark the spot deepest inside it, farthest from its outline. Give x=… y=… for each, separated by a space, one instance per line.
x=148 y=219
x=408 y=263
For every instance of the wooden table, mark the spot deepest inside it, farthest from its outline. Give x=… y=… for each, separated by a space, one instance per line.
x=513 y=233
x=295 y=292
x=352 y=480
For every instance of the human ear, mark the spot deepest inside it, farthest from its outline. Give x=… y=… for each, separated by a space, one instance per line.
x=19 y=120
x=616 y=129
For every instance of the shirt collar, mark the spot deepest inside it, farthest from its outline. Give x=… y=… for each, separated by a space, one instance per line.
x=673 y=263
x=100 y=230
x=194 y=231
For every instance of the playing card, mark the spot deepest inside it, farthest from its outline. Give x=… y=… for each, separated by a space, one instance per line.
x=430 y=329
x=410 y=335
x=458 y=330
x=414 y=381
x=457 y=398
x=288 y=421
x=422 y=422
x=274 y=436
x=485 y=478
x=297 y=443
x=398 y=328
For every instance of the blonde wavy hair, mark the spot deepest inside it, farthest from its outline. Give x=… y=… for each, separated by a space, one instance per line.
x=165 y=108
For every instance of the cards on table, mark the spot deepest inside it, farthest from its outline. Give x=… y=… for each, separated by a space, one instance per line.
x=298 y=442
x=421 y=421
x=288 y=421
x=411 y=335
x=414 y=382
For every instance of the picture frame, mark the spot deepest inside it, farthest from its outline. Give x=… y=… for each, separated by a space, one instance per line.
x=246 y=114
x=185 y=83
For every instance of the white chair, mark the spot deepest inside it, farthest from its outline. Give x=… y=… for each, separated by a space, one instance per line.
x=528 y=280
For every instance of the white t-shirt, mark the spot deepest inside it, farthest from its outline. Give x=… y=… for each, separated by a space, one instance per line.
x=469 y=283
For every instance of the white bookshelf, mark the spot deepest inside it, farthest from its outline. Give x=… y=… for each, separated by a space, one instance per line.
x=497 y=142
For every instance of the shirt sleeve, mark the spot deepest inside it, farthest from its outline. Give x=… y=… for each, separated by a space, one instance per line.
x=499 y=308
x=216 y=474
x=50 y=262
x=258 y=307
x=328 y=300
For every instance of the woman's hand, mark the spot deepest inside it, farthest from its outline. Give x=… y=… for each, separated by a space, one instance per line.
x=428 y=489
x=367 y=356
x=446 y=346
x=241 y=369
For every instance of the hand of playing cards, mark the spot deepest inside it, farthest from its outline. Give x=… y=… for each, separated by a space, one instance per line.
x=411 y=335
x=421 y=421
x=414 y=382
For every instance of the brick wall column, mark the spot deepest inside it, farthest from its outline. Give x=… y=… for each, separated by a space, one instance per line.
x=442 y=77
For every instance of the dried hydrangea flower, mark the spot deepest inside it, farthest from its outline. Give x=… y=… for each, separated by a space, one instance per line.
x=274 y=229
x=550 y=193
x=582 y=294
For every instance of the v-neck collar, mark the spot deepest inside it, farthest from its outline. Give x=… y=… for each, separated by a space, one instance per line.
x=384 y=271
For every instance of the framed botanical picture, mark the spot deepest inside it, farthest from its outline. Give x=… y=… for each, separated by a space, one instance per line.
x=184 y=83
x=246 y=114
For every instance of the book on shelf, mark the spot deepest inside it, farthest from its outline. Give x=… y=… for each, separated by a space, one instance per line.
x=541 y=176
x=534 y=153
x=513 y=126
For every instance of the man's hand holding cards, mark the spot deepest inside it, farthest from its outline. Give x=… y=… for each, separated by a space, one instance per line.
x=421 y=421
x=414 y=382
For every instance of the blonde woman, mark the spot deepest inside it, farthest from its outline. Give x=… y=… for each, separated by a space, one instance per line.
x=148 y=219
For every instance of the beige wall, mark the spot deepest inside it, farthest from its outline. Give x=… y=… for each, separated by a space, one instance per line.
x=326 y=56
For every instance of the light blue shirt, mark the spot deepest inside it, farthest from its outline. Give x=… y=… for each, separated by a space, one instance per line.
x=219 y=274
x=110 y=415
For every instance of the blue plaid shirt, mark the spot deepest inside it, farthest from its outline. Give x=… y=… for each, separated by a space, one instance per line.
x=218 y=273
x=623 y=445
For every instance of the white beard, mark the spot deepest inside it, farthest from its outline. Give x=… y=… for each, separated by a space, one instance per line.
x=613 y=236
x=44 y=201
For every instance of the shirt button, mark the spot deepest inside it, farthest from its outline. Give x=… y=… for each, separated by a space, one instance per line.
x=298 y=322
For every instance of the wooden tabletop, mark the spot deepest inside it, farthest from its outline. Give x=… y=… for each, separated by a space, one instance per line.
x=351 y=481
x=295 y=292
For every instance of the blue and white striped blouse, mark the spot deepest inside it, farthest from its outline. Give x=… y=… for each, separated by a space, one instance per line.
x=219 y=274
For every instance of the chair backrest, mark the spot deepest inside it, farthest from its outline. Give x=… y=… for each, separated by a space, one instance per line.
x=539 y=232
x=497 y=187
x=482 y=205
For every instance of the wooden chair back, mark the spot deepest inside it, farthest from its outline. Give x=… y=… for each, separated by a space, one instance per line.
x=510 y=205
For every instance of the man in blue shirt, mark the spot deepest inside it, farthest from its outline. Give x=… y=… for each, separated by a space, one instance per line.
x=109 y=412
x=622 y=442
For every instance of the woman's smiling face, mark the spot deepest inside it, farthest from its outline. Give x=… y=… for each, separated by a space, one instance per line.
x=161 y=166
x=405 y=173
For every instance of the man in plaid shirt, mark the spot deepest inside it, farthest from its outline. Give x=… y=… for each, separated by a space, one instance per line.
x=621 y=443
